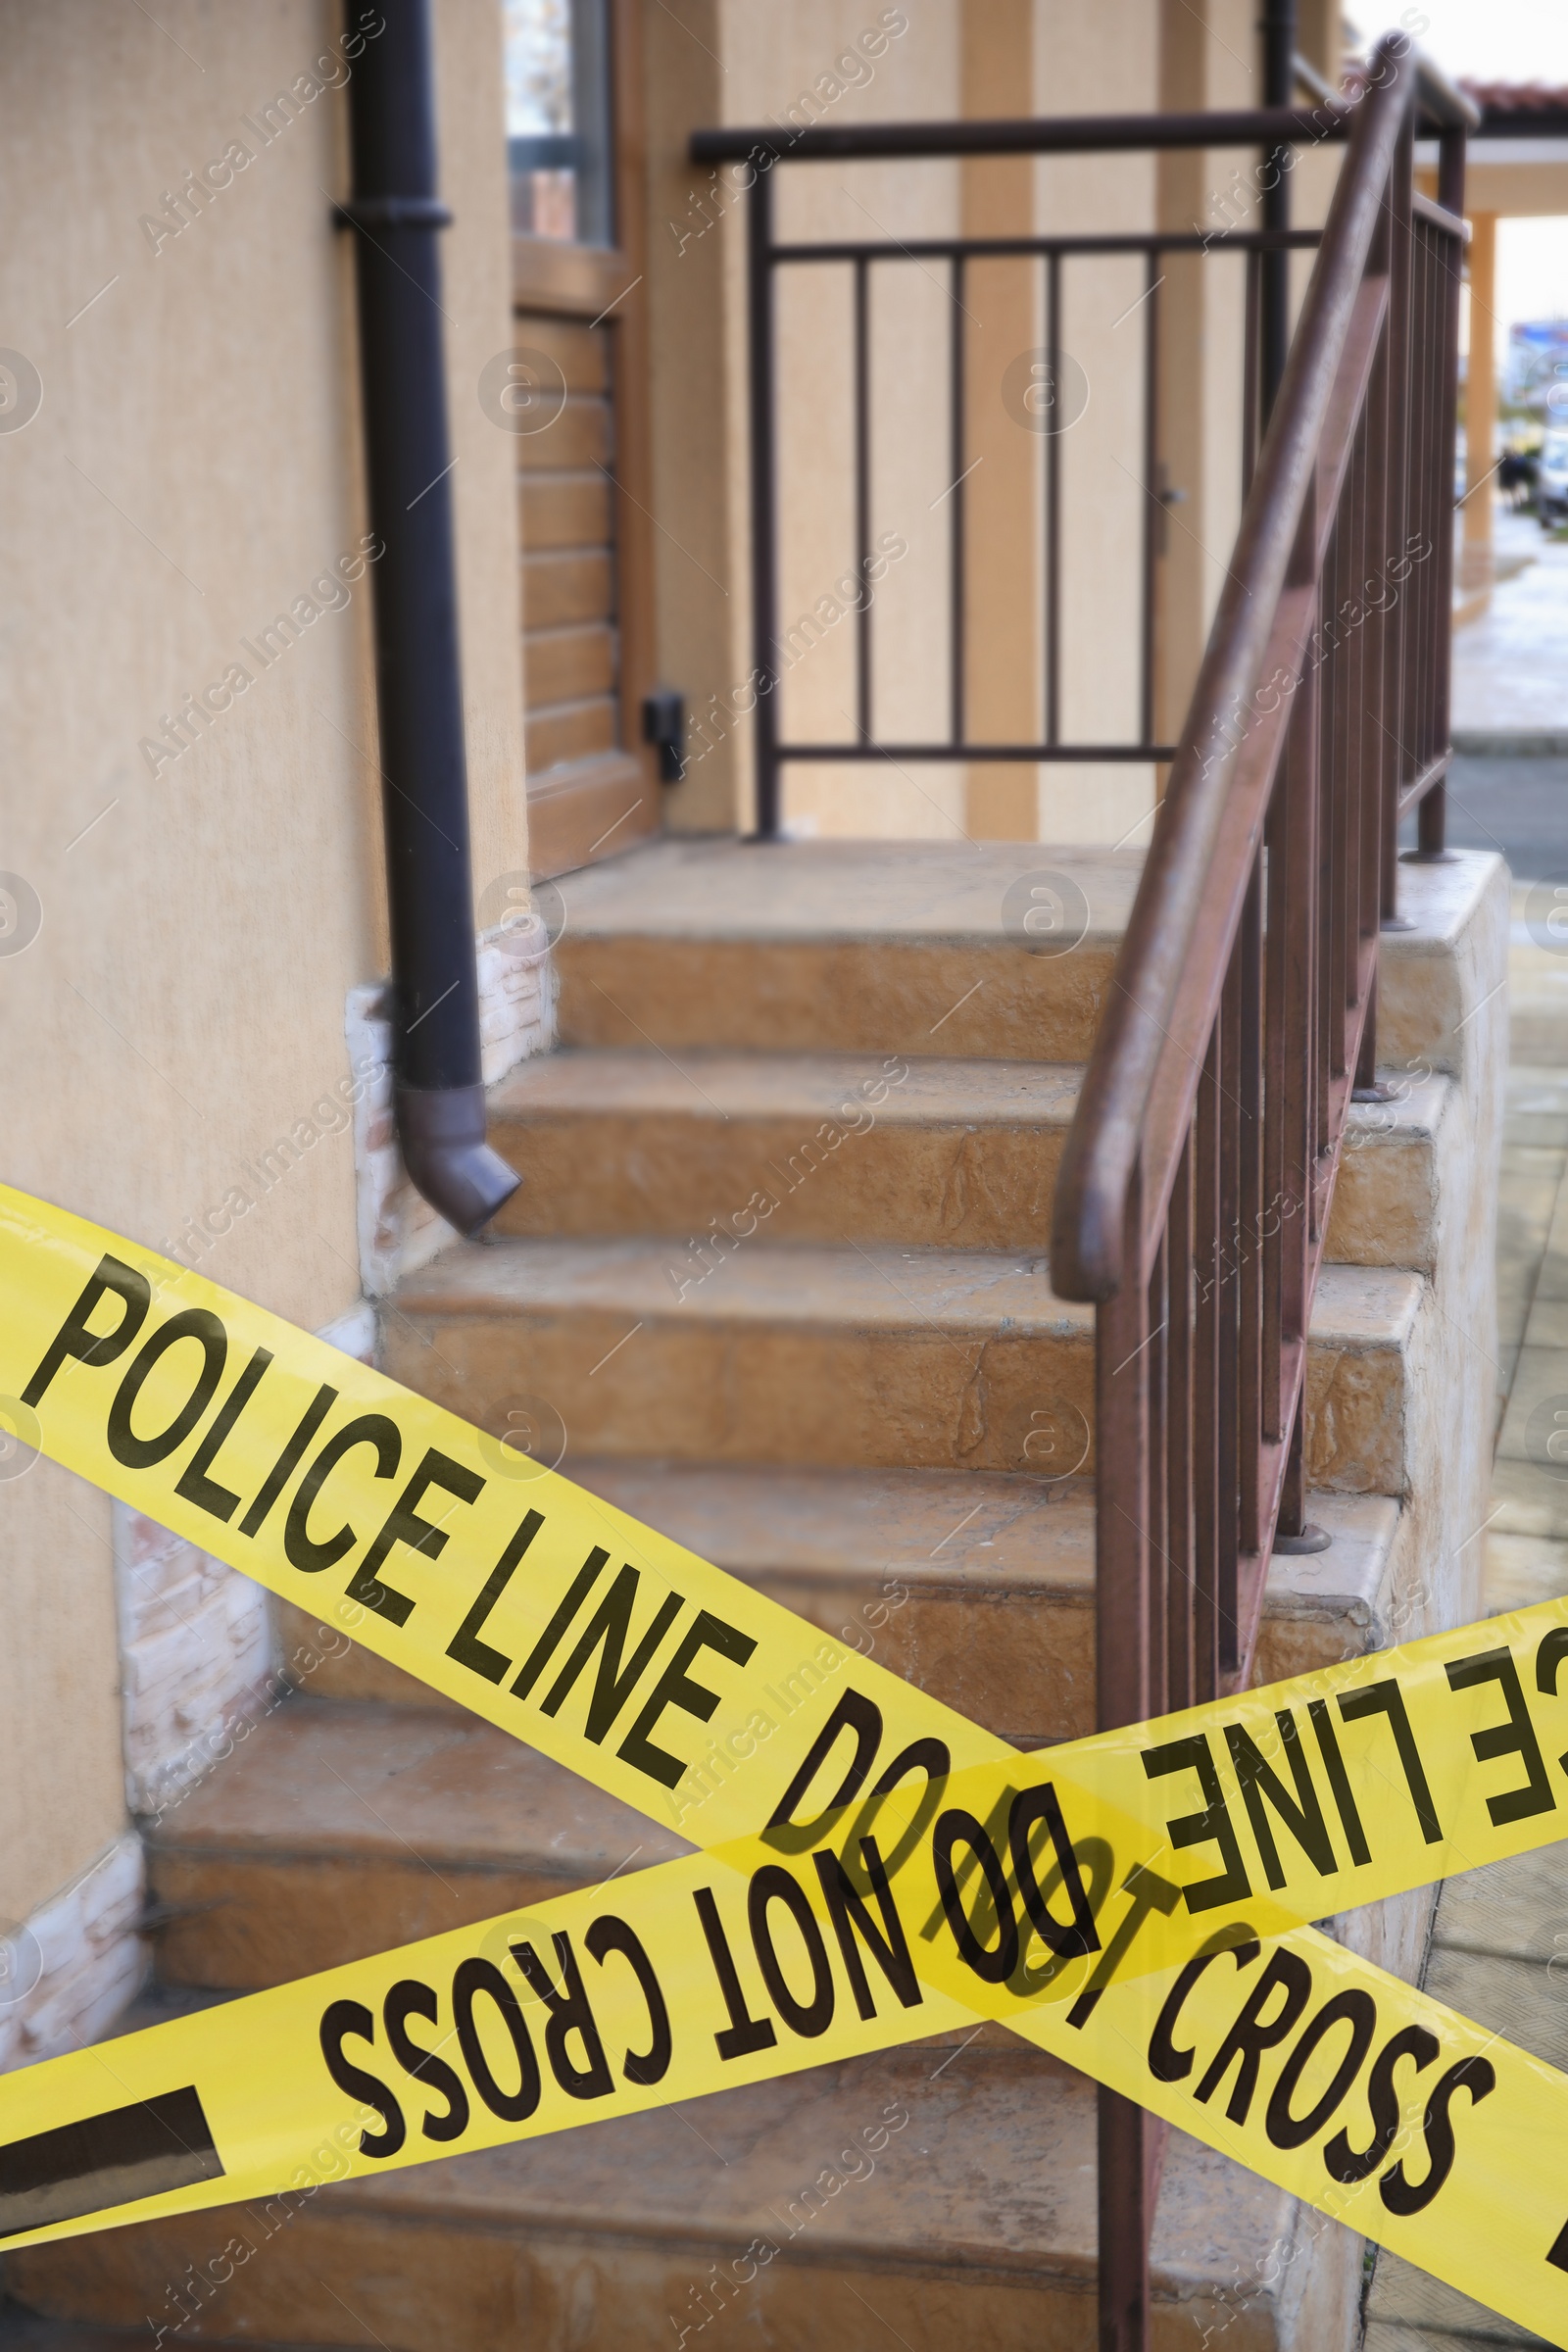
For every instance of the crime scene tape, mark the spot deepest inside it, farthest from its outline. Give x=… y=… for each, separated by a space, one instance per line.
x=680 y=1689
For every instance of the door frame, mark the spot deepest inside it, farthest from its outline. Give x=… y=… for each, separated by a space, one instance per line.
x=609 y=802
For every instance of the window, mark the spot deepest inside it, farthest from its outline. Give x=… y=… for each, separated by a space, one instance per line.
x=557 y=120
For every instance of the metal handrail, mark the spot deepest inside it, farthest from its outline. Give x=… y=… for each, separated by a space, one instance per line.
x=1241 y=1019
x=1189 y=903
x=1033 y=135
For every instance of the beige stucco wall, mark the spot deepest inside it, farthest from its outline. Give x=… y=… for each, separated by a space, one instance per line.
x=712 y=62
x=192 y=469
x=744 y=61
x=1097 y=60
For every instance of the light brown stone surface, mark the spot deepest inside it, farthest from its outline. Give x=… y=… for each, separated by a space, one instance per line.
x=346 y=1831
x=806 y=948
x=976 y=2225
x=978 y=1587
x=868 y=1148
x=875 y=1357
x=857 y=1357
x=1396 y=1171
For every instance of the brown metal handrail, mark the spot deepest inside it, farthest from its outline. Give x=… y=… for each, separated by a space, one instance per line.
x=1195 y=1188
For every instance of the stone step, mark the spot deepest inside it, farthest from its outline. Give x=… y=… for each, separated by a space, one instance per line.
x=838 y=1356
x=805 y=1146
x=977 y=1588
x=921 y=949
x=929 y=2196
x=366 y=1812
x=844 y=947
x=337 y=1832
x=929 y=1153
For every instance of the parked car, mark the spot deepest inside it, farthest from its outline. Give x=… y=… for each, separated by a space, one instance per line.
x=1551 y=482
x=1517 y=477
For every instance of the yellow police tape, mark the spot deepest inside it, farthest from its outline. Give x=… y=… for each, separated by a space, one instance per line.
x=874 y=1868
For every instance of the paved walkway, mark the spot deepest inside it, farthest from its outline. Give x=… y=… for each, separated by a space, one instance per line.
x=1500 y=1948
x=1510 y=667
x=1500 y=1940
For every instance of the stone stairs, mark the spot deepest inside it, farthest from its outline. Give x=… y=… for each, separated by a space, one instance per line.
x=777 y=1283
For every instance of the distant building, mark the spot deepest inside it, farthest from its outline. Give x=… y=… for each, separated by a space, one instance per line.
x=1536 y=369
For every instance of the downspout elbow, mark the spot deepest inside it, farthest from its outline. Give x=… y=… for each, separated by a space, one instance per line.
x=441 y=1131
x=396 y=214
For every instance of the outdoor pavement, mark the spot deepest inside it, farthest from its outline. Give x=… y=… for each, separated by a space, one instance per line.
x=1511 y=677
x=1509 y=670
x=1508 y=786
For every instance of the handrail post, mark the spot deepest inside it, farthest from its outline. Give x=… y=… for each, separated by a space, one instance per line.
x=1432 y=821
x=1396 y=508
x=1127 y=2173
x=1127 y=2200
x=764 y=491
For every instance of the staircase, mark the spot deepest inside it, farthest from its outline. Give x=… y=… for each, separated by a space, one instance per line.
x=873 y=1407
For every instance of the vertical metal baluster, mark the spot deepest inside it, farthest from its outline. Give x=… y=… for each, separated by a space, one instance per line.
x=1121 y=1675
x=1396 y=715
x=1153 y=511
x=1347 y=793
x=1328 y=611
x=1335 y=727
x=1355 y=490
x=759 y=267
x=1052 y=512
x=1121 y=1457
x=1179 y=1434
x=1325 y=959
x=1249 y=1117
x=1300 y=885
x=862 y=500
x=1278 y=1041
x=1434 y=403
x=1450 y=194
x=1429 y=501
x=1250 y=367
x=1375 y=746
x=1206 y=1494
x=1411 y=717
x=1126 y=2220
x=1432 y=821
x=956 y=603
x=1156 y=1486
x=1232 y=1242
x=1430 y=472
x=1293 y=1494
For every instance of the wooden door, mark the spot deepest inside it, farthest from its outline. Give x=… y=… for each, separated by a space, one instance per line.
x=578 y=295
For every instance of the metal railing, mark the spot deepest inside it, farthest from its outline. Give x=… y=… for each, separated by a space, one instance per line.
x=1196 y=1180
x=1261 y=252
x=1195 y=1188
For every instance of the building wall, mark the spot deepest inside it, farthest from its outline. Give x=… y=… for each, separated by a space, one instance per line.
x=1099 y=61
x=744 y=61
x=192 y=469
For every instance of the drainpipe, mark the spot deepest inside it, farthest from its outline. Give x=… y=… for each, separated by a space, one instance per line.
x=396 y=214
